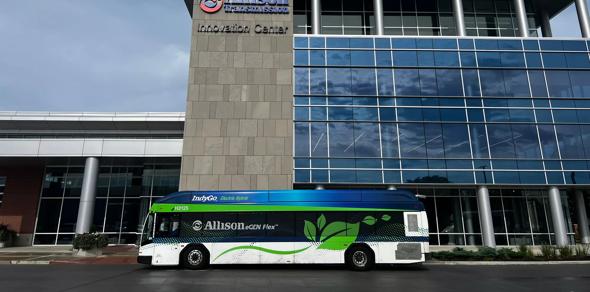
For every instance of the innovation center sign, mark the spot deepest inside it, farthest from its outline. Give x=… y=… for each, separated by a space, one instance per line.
x=246 y=6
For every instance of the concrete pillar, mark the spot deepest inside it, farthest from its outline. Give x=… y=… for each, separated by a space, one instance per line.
x=485 y=216
x=546 y=24
x=378 y=7
x=316 y=12
x=583 y=18
x=582 y=218
x=523 y=25
x=557 y=215
x=459 y=17
x=88 y=196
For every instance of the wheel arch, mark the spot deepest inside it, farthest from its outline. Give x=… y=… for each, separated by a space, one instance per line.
x=193 y=246
x=358 y=245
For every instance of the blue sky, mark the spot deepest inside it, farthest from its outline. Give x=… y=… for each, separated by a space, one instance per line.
x=106 y=55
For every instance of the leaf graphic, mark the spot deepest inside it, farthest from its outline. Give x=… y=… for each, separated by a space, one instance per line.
x=337 y=228
x=370 y=220
x=309 y=230
x=341 y=238
x=385 y=217
x=321 y=222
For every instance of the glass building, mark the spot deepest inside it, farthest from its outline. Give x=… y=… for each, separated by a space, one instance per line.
x=125 y=190
x=487 y=120
x=472 y=105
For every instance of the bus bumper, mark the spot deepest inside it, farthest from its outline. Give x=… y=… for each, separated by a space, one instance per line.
x=146 y=260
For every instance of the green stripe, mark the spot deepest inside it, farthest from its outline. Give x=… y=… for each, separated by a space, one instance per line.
x=262 y=249
x=171 y=208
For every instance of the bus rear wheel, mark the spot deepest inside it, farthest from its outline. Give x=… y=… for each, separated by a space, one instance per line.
x=360 y=258
x=194 y=257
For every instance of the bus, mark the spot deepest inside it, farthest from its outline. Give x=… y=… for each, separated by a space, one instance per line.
x=359 y=228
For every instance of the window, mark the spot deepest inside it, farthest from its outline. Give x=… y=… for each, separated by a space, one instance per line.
x=125 y=190
x=2 y=187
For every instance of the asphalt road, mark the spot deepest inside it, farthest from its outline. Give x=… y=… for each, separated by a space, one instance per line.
x=102 y=278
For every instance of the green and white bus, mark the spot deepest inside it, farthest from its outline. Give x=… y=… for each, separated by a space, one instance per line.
x=357 y=227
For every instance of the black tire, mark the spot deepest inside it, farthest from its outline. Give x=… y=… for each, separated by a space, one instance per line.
x=360 y=258
x=194 y=257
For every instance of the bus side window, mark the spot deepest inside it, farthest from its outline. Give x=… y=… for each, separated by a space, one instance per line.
x=167 y=225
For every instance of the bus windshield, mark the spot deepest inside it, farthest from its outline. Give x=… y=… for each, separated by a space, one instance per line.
x=148 y=230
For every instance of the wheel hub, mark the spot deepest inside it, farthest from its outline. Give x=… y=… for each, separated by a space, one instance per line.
x=195 y=257
x=360 y=258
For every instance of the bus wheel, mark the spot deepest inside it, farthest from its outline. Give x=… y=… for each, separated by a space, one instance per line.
x=360 y=258
x=194 y=257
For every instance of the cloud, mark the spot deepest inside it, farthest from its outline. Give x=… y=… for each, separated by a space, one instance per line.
x=108 y=55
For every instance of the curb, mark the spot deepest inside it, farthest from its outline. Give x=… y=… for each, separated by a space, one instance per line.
x=505 y=263
x=28 y=262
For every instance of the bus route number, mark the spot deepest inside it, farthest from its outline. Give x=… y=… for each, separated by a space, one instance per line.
x=180 y=208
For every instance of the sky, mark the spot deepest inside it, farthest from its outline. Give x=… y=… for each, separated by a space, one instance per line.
x=107 y=55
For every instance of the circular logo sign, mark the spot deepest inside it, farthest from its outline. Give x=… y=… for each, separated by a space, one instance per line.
x=211 y=6
x=197 y=225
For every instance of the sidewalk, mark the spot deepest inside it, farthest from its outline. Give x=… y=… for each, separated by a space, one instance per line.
x=39 y=255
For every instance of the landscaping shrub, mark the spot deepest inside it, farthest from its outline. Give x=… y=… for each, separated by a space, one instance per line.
x=88 y=241
x=566 y=252
x=582 y=250
x=486 y=253
x=508 y=254
x=525 y=252
x=548 y=252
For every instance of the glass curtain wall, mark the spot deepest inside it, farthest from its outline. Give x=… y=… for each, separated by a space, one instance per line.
x=2 y=187
x=413 y=18
x=124 y=193
x=519 y=216
x=496 y=18
x=424 y=17
x=302 y=17
x=441 y=111
x=347 y=17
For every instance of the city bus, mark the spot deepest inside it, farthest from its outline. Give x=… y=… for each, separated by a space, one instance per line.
x=358 y=228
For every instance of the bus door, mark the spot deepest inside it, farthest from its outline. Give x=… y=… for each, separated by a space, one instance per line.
x=167 y=230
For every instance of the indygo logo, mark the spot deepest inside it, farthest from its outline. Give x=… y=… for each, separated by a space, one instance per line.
x=203 y=198
x=198 y=225
x=211 y=6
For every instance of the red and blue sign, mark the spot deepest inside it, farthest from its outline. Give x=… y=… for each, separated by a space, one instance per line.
x=211 y=6
x=246 y=6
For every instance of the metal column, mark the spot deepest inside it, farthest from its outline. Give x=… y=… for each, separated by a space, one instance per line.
x=459 y=17
x=582 y=218
x=583 y=18
x=316 y=12
x=523 y=25
x=378 y=7
x=557 y=216
x=88 y=196
x=546 y=24
x=485 y=216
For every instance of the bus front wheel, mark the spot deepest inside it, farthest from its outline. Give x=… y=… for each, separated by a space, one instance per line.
x=194 y=257
x=360 y=258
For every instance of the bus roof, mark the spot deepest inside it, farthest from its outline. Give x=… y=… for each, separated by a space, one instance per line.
x=288 y=200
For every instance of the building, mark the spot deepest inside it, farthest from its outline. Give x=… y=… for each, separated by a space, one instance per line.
x=471 y=104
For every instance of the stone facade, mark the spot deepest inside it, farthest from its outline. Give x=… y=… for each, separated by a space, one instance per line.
x=239 y=128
